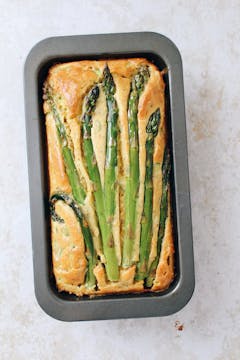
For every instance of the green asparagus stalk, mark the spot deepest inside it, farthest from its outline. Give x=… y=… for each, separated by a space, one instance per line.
x=90 y=253
x=93 y=171
x=146 y=221
x=71 y=170
x=89 y=155
x=77 y=189
x=166 y=168
x=111 y=145
x=132 y=182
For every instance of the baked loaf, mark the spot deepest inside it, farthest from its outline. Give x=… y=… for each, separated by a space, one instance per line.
x=109 y=166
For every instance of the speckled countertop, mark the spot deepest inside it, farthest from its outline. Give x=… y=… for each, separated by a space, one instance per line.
x=208 y=35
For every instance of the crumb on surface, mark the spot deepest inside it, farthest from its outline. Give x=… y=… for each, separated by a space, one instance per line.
x=179 y=326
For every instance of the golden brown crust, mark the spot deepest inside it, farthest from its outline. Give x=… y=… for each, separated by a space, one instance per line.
x=72 y=80
x=69 y=83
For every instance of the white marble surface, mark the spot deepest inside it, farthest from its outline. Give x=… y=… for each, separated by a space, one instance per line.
x=208 y=36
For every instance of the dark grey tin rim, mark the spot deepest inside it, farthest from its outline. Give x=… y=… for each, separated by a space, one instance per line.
x=116 y=306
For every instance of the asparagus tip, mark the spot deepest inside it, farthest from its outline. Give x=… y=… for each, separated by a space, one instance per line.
x=140 y=79
x=91 y=99
x=153 y=123
x=108 y=83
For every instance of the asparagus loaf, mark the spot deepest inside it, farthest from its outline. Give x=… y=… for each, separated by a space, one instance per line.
x=109 y=169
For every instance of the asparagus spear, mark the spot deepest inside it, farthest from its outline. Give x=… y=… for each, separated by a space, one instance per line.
x=146 y=221
x=89 y=155
x=111 y=144
x=93 y=171
x=90 y=253
x=132 y=182
x=166 y=168
x=77 y=189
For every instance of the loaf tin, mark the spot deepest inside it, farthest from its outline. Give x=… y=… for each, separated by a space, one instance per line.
x=161 y=51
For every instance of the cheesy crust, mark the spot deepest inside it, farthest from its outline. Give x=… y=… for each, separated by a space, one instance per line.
x=70 y=83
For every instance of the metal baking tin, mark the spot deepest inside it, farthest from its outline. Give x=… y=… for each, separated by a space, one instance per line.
x=163 y=53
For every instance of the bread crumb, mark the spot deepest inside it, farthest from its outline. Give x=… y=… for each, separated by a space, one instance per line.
x=179 y=326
